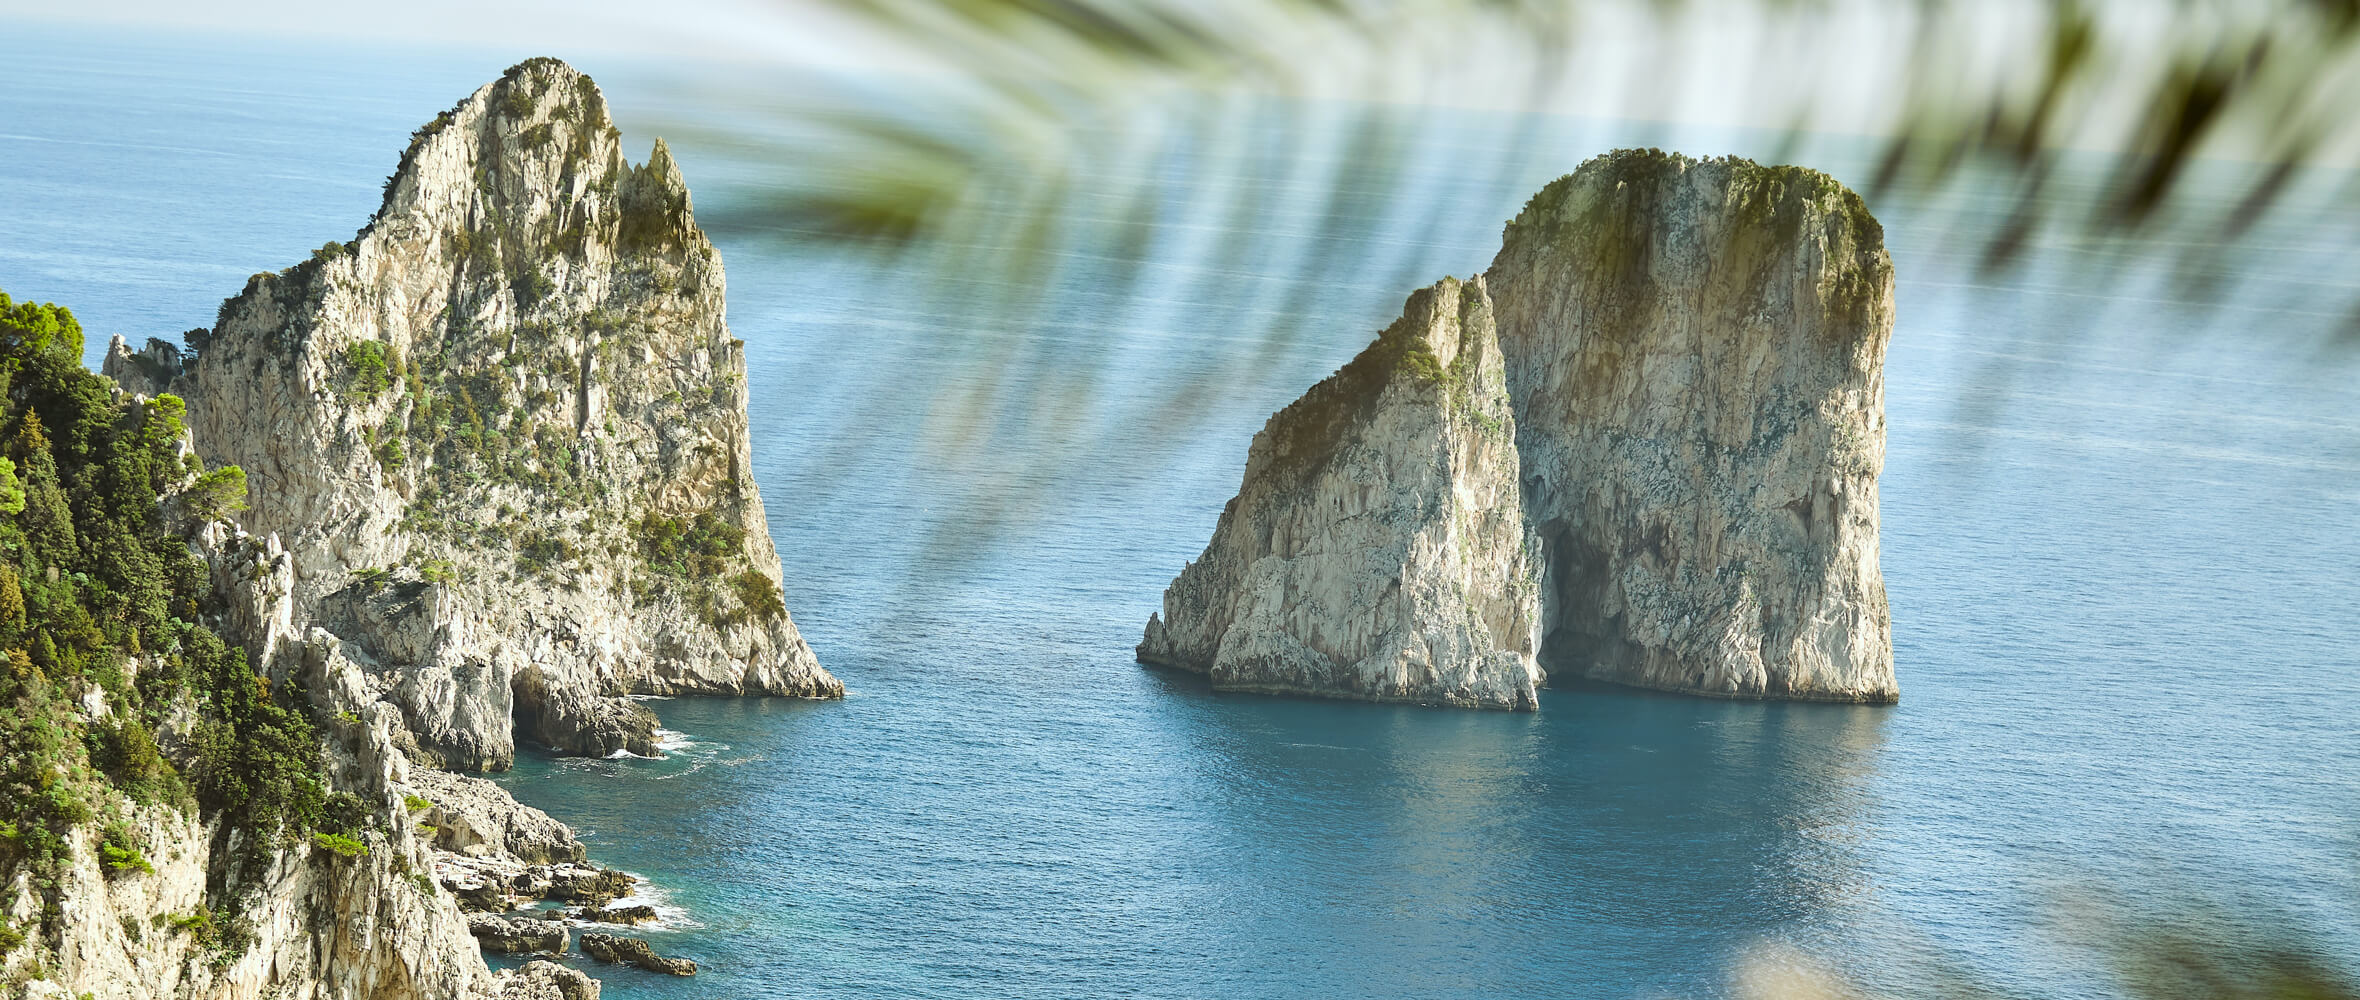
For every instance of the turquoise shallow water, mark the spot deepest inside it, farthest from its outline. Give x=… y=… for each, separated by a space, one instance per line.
x=2124 y=598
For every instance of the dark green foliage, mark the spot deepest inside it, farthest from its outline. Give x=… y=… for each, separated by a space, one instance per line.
x=530 y=286
x=120 y=853
x=368 y=369
x=46 y=329
x=700 y=548
x=125 y=751
x=89 y=577
x=516 y=103
x=217 y=493
x=537 y=552
x=759 y=596
x=339 y=845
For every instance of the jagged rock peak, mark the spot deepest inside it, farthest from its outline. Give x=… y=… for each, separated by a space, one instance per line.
x=1695 y=349
x=503 y=437
x=1376 y=548
x=534 y=156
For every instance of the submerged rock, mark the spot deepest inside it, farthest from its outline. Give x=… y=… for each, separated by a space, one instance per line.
x=1377 y=548
x=634 y=951
x=503 y=436
x=1695 y=349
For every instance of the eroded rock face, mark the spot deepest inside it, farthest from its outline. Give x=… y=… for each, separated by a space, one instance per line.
x=1695 y=350
x=503 y=436
x=477 y=818
x=1377 y=548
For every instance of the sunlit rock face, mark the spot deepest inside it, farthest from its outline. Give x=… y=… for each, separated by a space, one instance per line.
x=1693 y=355
x=503 y=436
x=1695 y=349
x=1376 y=549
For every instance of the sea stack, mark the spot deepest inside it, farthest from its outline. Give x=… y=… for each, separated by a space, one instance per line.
x=1696 y=353
x=502 y=435
x=1377 y=548
x=1693 y=353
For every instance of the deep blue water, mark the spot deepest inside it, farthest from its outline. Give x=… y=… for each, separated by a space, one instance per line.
x=2119 y=539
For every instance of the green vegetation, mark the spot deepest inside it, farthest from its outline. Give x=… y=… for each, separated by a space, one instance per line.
x=121 y=860
x=368 y=368
x=698 y=548
x=416 y=803
x=89 y=580
x=759 y=596
x=438 y=571
x=216 y=493
x=339 y=845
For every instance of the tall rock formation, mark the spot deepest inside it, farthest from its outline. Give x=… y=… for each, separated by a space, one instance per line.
x=1377 y=548
x=503 y=435
x=1696 y=351
x=1693 y=353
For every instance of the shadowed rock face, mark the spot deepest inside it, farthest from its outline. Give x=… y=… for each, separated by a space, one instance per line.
x=503 y=436
x=1695 y=350
x=1376 y=549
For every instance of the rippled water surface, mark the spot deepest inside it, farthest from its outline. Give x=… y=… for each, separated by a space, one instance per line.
x=2120 y=547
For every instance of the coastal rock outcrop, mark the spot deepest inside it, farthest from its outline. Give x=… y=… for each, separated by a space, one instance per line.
x=502 y=434
x=634 y=951
x=626 y=915
x=1377 y=548
x=475 y=817
x=518 y=935
x=1693 y=383
x=1695 y=349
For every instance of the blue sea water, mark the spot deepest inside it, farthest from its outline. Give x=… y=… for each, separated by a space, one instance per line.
x=2119 y=536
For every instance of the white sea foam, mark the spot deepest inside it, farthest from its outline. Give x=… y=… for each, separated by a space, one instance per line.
x=669 y=916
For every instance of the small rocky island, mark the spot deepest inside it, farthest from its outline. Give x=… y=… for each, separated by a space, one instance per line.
x=1693 y=354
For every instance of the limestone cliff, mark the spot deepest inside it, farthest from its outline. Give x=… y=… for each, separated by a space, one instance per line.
x=1377 y=546
x=503 y=436
x=1693 y=353
x=1695 y=350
